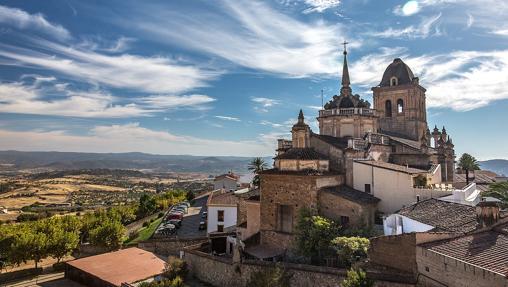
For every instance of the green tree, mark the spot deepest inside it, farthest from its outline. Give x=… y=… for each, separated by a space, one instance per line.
x=350 y=249
x=175 y=267
x=108 y=234
x=499 y=190
x=257 y=165
x=357 y=278
x=314 y=234
x=62 y=243
x=147 y=205
x=273 y=277
x=468 y=163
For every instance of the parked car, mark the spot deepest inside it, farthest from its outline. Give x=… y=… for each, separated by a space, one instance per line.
x=175 y=222
x=178 y=216
x=186 y=203
x=204 y=215
x=181 y=208
x=202 y=225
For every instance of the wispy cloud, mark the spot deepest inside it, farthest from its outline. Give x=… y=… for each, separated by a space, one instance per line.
x=227 y=118
x=158 y=74
x=264 y=103
x=427 y=27
x=127 y=138
x=320 y=5
x=22 y=98
x=248 y=33
x=23 y=20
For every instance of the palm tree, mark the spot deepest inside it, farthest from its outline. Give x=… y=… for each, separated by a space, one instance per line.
x=257 y=165
x=467 y=162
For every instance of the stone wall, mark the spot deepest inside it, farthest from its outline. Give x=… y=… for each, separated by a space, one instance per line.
x=296 y=191
x=334 y=206
x=223 y=272
x=169 y=246
x=438 y=270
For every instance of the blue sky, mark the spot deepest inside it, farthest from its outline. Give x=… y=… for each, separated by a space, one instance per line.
x=229 y=77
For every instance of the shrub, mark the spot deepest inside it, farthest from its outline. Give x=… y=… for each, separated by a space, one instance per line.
x=357 y=278
x=146 y=224
x=273 y=277
x=161 y=214
x=174 y=268
x=350 y=249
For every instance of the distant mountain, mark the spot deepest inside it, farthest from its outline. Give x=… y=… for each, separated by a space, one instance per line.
x=499 y=166
x=18 y=160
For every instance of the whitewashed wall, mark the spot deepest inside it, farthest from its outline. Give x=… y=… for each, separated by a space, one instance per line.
x=230 y=216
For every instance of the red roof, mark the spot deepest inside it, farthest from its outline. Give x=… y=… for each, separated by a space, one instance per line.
x=127 y=265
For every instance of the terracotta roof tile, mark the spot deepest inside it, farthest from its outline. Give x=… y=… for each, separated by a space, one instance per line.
x=352 y=194
x=443 y=215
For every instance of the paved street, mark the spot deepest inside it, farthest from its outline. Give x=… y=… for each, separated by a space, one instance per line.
x=190 y=223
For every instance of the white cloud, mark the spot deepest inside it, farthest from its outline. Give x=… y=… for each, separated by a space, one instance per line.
x=264 y=103
x=460 y=80
x=427 y=27
x=502 y=32
x=171 y=101
x=128 y=138
x=32 y=99
x=23 y=20
x=227 y=118
x=147 y=74
x=320 y=5
x=98 y=43
x=247 y=33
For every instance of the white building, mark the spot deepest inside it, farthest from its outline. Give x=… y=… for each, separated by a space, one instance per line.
x=227 y=182
x=396 y=185
x=222 y=211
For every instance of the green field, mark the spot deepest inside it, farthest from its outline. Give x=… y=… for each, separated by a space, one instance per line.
x=144 y=233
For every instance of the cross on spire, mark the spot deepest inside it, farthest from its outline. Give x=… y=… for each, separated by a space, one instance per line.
x=345 y=48
x=345 y=90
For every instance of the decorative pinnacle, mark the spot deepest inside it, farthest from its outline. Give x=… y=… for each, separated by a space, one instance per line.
x=345 y=90
x=300 y=116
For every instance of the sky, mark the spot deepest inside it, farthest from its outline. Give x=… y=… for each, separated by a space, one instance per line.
x=229 y=77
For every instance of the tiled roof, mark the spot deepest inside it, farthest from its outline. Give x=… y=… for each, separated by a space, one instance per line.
x=352 y=194
x=392 y=166
x=231 y=176
x=275 y=171
x=488 y=250
x=477 y=176
x=218 y=198
x=443 y=215
x=340 y=143
x=301 y=154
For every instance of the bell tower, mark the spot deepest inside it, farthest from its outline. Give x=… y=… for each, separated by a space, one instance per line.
x=400 y=103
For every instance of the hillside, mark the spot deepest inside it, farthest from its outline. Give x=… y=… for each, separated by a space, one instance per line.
x=499 y=166
x=50 y=161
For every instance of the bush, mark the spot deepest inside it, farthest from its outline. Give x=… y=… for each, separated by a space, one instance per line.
x=357 y=278
x=274 y=277
x=161 y=214
x=174 y=268
x=146 y=224
x=351 y=249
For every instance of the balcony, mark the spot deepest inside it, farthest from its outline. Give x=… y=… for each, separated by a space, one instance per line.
x=347 y=112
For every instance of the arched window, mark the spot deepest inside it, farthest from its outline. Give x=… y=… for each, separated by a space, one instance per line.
x=394 y=81
x=400 y=106
x=388 y=108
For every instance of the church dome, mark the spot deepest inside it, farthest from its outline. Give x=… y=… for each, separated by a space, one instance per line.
x=397 y=73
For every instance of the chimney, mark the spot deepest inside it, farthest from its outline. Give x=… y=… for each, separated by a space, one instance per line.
x=487 y=212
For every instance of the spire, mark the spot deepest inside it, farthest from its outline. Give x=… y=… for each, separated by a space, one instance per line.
x=345 y=90
x=300 y=117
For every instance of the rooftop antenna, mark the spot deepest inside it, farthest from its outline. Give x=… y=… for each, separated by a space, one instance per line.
x=322 y=104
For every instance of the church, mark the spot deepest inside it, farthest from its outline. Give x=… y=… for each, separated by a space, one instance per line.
x=317 y=170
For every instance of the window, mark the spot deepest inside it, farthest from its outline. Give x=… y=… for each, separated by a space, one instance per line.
x=400 y=106
x=220 y=215
x=428 y=270
x=344 y=220
x=394 y=81
x=220 y=228
x=388 y=108
x=285 y=218
x=367 y=188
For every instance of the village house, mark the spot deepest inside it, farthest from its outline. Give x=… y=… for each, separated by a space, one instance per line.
x=228 y=182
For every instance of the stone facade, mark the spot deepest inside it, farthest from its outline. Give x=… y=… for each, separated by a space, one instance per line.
x=294 y=192
x=352 y=123
x=335 y=207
